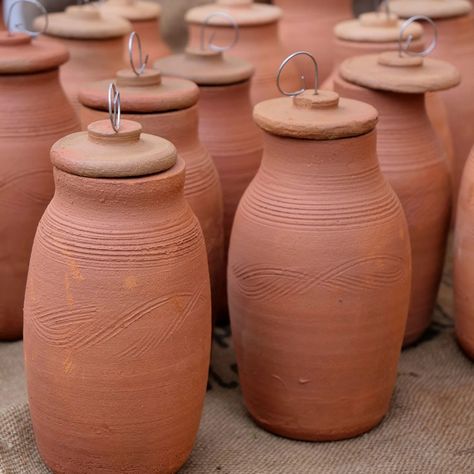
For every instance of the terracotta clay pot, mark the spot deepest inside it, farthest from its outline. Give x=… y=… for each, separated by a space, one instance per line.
x=308 y=25
x=34 y=113
x=259 y=42
x=464 y=262
x=319 y=272
x=411 y=158
x=117 y=308
x=456 y=45
x=145 y=20
x=95 y=42
x=225 y=120
x=167 y=107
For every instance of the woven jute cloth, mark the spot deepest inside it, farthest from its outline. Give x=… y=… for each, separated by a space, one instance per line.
x=429 y=429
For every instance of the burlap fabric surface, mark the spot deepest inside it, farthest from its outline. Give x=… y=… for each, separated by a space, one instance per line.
x=430 y=427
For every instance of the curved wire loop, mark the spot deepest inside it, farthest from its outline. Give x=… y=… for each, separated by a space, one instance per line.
x=114 y=106
x=210 y=45
x=141 y=63
x=303 y=81
x=404 y=45
x=382 y=4
x=22 y=27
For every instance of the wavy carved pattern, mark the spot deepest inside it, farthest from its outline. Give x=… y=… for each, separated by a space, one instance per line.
x=361 y=274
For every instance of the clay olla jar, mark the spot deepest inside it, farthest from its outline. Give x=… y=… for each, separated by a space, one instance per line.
x=456 y=45
x=308 y=25
x=117 y=308
x=319 y=272
x=225 y=119
x=258 y=43
x=464 y=262
x=95 y=41
x=412 y=159
x=145 y=19
x=34 y=113
x=167 y=107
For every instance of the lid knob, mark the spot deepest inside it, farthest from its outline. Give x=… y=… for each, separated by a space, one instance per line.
x=235 y=3
x=84 y=12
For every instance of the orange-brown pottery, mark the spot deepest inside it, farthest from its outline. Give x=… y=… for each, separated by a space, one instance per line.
x=319 y=273
x=117 y=308
x=464 y=261
x=34 y=113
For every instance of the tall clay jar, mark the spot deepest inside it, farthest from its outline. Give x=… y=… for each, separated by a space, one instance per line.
x=167 y=107
x=225 y=119
x=464 y=262
x=95 y=42
x=456 y=45
x=117 y=308
x=34 y=113
x=145 y=20
x=259 y=42
x=319 y=272
x=308 y=25
x=411 y=158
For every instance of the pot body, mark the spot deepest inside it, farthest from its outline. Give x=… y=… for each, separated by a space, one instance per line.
x=308 y=25
x=202 y=187
x=117 y=325
x=456 y=46
x=34 y=114
x=412 y=159
x=234 y=141
x=319 y=284
x=91 y=60
x=260 y=46
x=152 y=43
x=464 y=261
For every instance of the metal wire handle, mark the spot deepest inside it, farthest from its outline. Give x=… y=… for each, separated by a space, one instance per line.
x=114 y=106
x=379 y=4
x=210 y=44
x=142 y=64
x=303 y=81
x=20 y=26
x=404 y=45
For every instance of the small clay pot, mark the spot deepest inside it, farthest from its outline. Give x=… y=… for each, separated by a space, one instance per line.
x=464 y=262
x=34 y=113
x=456 y=45
x=117 y=308
x=167 y=107
x=95 y=42
x=259 y=42
x=319 y=272
x=411 y=158
x=225 y=120
x=308 y=25
x=145 y=20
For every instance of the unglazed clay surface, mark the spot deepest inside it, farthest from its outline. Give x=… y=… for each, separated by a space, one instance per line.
x=233 y=140
x=413 y=161
x=117 y=325
x=319 y=282
x=464 y=261
x=34 y=113
x=202 y=187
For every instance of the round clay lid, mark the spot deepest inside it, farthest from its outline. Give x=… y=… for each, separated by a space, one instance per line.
x=103 y=153
x=406 y=74
x=206 y=68
x=21 y=54
x=132 y=10
x=375 y=28
x=324 y=116
x=84 y=22
x=148 y=93
x=431 y=8
x=244 y=13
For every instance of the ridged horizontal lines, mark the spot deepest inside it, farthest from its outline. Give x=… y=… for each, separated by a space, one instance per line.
x=200 y=176
x=319 y=205
x=98 y=246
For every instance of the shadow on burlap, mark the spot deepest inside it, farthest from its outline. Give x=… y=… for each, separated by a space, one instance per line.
x=429 y=429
